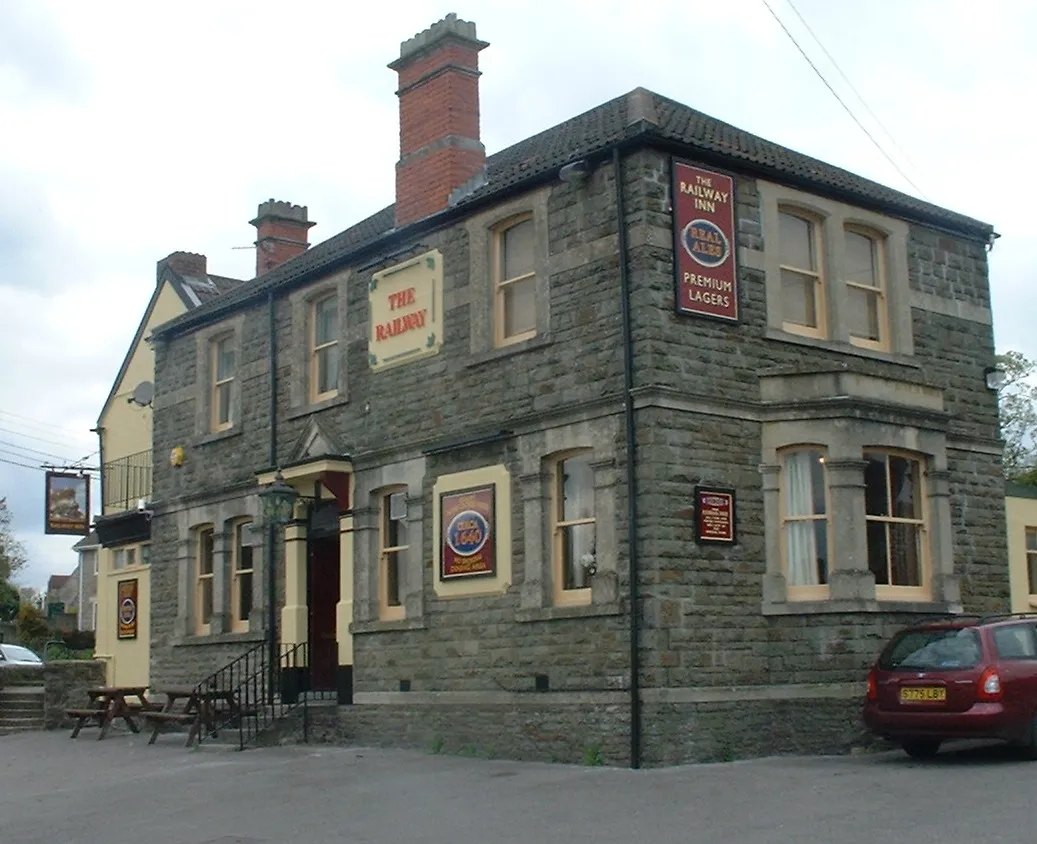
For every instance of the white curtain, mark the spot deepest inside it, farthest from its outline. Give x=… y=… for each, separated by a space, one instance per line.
x=801 y=544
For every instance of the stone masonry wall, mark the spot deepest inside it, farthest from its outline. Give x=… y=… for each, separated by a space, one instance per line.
x=699 y=420
x=702 y=620
x=572 y=373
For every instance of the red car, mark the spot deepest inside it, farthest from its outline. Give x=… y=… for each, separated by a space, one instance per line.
x=967 y=677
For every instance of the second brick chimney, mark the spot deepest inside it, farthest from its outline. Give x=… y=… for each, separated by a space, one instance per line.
x=184 y=264
x=440 y=148
x=282 y=232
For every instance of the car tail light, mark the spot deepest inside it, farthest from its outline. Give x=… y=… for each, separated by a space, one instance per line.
x=990 y=685
x=873 y=685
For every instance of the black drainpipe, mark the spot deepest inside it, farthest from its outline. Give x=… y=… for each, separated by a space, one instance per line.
x=271 y=535
x=628 y=412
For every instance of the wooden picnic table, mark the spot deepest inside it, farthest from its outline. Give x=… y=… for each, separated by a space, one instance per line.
x=200 y=708
x=108 y=703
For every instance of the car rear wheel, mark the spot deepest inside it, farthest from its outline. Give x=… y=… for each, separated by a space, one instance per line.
x=1029 y=744
x=921 y=748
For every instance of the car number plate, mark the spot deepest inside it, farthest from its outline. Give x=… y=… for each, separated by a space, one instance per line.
x=923 y=694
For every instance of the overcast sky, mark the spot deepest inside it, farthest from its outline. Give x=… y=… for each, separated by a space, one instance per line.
x=130 y=130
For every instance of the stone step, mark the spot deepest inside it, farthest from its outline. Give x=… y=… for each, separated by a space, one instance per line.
x=16 y=691
x=21 y=724
x=17 y=706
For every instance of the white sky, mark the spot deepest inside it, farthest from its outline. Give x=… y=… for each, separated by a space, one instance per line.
x=130 y=130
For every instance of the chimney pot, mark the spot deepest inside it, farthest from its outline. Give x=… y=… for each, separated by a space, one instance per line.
x=438 y=76
x=282 y=232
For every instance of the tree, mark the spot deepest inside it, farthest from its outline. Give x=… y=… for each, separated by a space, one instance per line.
x=12 y=552
x=9 y=601
x=1017 y=400
x=31 y=624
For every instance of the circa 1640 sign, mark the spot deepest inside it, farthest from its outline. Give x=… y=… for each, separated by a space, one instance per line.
x=704 y=243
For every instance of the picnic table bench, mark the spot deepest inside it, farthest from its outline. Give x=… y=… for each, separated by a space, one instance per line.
x=108 y=703
x=201 y=707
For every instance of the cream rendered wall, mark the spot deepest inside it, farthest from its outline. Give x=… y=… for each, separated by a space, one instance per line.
x=1020 y=513
x=125 y=427
x=126 y=430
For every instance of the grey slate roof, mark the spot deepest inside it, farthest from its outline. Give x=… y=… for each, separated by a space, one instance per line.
x=639 y=117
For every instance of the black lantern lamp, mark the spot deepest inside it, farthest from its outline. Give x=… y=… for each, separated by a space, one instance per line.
x=277 y=502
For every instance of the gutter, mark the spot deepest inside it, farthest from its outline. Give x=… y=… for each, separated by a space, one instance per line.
x=631 y=461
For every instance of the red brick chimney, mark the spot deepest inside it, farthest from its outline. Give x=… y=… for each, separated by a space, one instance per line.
x=439 y=117
x=184 y=264
x=282 y=233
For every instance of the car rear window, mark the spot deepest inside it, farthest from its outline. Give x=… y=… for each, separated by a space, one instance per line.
x=1015 y=642
x=945 y=648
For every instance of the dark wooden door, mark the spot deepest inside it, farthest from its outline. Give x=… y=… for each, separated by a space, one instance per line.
x=324 y=595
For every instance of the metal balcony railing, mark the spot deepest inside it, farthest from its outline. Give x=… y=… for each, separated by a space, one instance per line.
x=127 y=480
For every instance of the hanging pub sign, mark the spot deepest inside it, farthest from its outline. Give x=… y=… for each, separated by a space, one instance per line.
x=704 y=263
x=68 y=504
x=469 y=540
x=127 y=604
x=715 y=516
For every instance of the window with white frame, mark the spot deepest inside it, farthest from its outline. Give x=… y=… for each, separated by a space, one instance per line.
x=514 y=279
x=324 y=351
x=204 y=571
x=127 y=556
x=223 y=359
x=242 y=571
x=392 y=552
x=803 y=307
x=804 y=519
x=864 y=265
x=835 y=273
x=573 y=528
x=896 y=523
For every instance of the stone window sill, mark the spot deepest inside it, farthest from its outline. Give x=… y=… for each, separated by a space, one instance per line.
x=219 y=639
x=490 y=355
x=860 y=606
x=842 y=348
x=317 y=407
x=397 y=624
x=219 y=436
x=575 y=611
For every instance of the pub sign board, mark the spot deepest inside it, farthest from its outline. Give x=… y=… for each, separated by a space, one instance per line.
x=68 y=504
x=704 y=246
x=715 y=516
x=127 y=609
x=469 y=540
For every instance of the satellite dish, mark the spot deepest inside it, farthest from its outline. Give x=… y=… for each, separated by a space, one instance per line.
x=143 y=393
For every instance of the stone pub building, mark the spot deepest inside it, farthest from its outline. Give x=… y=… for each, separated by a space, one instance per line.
x=642 y=360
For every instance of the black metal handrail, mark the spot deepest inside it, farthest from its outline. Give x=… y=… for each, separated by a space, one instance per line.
x=247 y=696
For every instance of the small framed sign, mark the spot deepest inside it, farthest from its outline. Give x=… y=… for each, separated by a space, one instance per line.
x=715 y=516
x=469 y=540
x=127 y=609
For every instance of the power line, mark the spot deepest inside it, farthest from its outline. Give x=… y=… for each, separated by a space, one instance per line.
x=6 y=445
x=38 y=422
x=22 y=465
x=846 y=79
x=11 y=432
x=821 y=76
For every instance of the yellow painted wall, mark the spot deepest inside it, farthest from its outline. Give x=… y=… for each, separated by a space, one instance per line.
x=126 y=430
x=127 y=660
x=1020 y=514
x=126 y=427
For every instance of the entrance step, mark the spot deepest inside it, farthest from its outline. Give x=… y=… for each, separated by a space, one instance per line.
x=21 y=708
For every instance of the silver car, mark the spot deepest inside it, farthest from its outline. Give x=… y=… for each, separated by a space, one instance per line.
x=17 y=655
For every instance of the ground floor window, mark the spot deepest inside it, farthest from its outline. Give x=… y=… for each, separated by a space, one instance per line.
x=804 y=517
x=572 y=527
x=241 y=588
x=392 y=551
x=895 y=518
x=204 y=570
